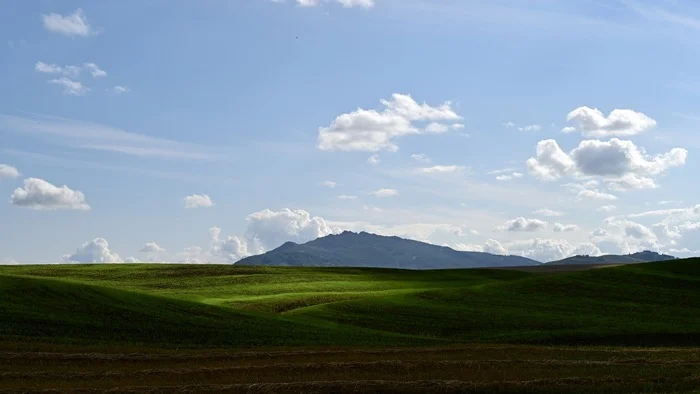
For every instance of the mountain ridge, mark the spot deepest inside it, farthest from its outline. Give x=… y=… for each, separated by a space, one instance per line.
x=363 y=249
x=645 y=256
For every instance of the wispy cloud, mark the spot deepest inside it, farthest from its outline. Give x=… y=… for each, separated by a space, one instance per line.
x=70 y=87
x=84 y=135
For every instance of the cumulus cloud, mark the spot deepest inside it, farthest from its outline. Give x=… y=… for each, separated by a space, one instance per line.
x=548 y=212
x=198 y=201
x=8 y=172
x=523 y=224
x=71 y=25
x=151 y=247
x=558 y=227
x=231 y=248
x=95 y=251
x=490 y=246
x=347 y=197
x=383 y=193
x=546 y=250
x=607 y=208
x=621 y=164
x=624 y=236
x=329 y=184
x=269 y=229
x=41 y=195
x=373 y=130
x=374 y=160
x=620 y=122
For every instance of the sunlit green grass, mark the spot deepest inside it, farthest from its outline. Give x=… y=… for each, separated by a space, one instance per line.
x=210 y=305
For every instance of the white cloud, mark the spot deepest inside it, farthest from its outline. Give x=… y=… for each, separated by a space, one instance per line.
x=533 y=127
x=440 y=169
x=383 y=193
x=620 y=122
x=548 y=212
x=70 y=71
x=131 y=260
x=198 y=201
x=420 y=157
x=514 y=175
x=39 y=194
x=374 y=160
x=568 y=129
x=546 y=250
x=231 y=248
x=347 y=197
x=193 y=255
x=509 y=124
x=597 y=195
x=7 y=171
x=329 y=184
x=344 y=3
x=70 y=87
x=8 y=262
x=74 y=24
x=269 y=229
x=558 y=227
x=621 y=164
x=624 y=236
x=523 y=224
x=94 y=70
x=152 y=247
x=373 y=131
x=95 y=251
x=119 y=89
x=607 y=208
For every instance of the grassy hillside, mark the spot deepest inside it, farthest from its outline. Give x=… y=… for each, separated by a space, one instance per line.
x=213 y=306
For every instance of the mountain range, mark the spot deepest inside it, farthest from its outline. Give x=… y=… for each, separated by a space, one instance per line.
x=350 y=249
x=363 y=249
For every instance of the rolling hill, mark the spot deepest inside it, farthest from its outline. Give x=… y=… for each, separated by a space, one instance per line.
x=646 y=256
x=363 y=249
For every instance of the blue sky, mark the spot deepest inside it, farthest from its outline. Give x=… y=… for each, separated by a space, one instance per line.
x=211 y=130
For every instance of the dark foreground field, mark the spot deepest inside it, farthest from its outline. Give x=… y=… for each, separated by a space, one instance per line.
x=632 y=328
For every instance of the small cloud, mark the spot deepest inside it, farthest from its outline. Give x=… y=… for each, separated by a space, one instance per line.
x=7 y=172
x=70 y=71
x=329 y=184
x=374 y=160
x=39 y=194
x=607 y=208
x=515 y=175
x=548 y=212
x=568 y=129
x=558 y=227
x=94 y=70
x=522 y=224
x=70 y=87
x=383 y=193
x=437 y=128
x=71 y=25
x=440 y=169
x=198 y=201
x=509 y=124
x=420 y=157
x=347 y=197
x=119 y=89
x=533 y=127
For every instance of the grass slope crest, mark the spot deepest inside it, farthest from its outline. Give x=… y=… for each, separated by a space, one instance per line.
x=350 y=249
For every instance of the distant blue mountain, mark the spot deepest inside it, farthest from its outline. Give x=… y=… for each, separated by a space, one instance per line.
x=363 y=249
x=646 y=256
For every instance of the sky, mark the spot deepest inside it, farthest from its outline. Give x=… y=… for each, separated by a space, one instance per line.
x=212 y=130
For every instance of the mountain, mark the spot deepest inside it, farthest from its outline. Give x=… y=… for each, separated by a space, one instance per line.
x=370 y=250
x=639 y=257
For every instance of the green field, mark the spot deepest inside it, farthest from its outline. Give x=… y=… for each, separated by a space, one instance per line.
x=631 y=326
